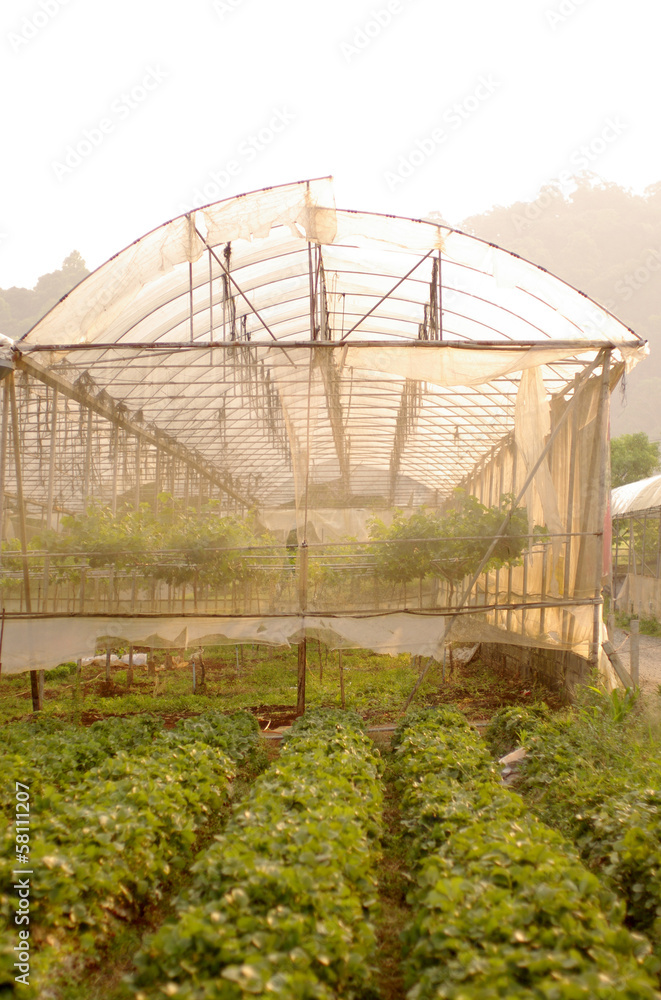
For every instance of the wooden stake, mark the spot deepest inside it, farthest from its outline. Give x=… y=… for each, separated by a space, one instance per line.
x=129 y=672
x=343 y=702
x=302 y=662
x=634 y=658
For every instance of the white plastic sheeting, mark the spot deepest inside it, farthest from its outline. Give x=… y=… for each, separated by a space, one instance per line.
x=55 y=641
x=641 y=495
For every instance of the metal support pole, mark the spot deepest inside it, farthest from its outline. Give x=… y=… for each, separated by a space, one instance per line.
x=634 y=661
x=51 y=491
x=570 y=512
x=601 y=443
x=115 y=468
x=137 y=472
x=3 y=461
x=343 y=702
x=190 y=293
x=440 y=297
x=302 y=664
x=36 y=683
x=87 y=472
x=515 y=455
x=313 y=335
x=157 y=479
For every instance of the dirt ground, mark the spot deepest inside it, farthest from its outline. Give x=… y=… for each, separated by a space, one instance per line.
x=649 y=658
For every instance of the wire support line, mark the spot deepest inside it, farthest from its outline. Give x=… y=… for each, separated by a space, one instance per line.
x=442 y=611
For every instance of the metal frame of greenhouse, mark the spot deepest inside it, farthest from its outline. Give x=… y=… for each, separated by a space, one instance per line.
x=310 y=368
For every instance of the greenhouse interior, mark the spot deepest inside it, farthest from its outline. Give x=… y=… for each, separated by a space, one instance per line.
x=271 y=420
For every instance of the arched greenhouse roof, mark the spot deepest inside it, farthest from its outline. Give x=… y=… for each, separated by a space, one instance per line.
x=645 y=494
x=251 y=283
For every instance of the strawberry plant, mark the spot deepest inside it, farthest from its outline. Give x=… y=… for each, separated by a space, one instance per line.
x=281 y=903
x=503 y=908
x=585 y=775
x=105 y=846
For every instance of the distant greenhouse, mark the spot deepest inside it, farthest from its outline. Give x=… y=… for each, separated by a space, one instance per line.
x=636 y=513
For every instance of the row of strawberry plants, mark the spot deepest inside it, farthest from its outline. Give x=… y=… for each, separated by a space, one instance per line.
x=599 y=782
x=503 y=907
x=281 y=904
x=102 y=850
x=48 y=751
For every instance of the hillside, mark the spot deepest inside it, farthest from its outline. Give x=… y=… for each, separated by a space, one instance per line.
x=605 y=241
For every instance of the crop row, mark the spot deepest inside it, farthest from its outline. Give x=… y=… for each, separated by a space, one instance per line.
x=503 y=907
x=102 y=849
x=281 y=903
x=585 y=782
x=48 y=751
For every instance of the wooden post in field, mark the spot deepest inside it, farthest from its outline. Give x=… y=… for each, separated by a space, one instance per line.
x=302 y=657
x=343 y=702
x=129 y=672
x=634 y=661
x=108 y=655
x=321 y=662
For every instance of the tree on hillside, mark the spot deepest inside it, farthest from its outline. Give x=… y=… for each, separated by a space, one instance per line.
x=20 y=308
x=633 y=457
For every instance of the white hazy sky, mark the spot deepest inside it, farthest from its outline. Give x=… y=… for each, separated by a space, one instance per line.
x=118 y=115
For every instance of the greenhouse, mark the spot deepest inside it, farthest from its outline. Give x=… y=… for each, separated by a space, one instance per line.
x=271 y=420
x=636 y=513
